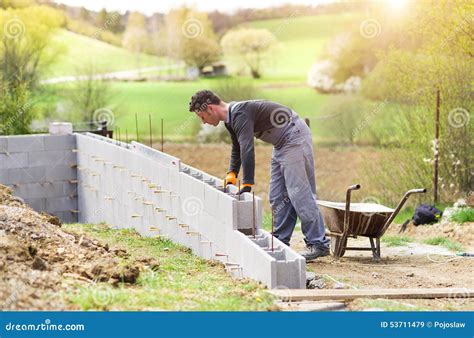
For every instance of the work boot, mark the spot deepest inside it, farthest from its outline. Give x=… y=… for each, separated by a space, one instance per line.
x=314 y=251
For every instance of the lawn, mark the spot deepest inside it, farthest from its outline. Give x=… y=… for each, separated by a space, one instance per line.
x=183 y=281
x=79 y=51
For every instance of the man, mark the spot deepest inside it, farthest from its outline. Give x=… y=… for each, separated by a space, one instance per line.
x=292 y=183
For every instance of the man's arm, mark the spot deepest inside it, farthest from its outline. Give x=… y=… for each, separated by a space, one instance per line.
x=235 y=160
x=244 y=132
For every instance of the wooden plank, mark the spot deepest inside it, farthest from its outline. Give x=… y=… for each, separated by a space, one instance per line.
x=295 y=295
x=311 y=306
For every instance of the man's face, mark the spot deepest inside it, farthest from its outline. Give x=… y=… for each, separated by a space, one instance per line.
x=208 y=116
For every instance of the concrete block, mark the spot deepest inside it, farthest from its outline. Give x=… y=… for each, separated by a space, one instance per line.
x=37 y=204
x=3 y=144
x=162 y=158
x=51 y=158
x=211 y=198
x=66 y=216
x=25 y=143
x=59 y=142
x=13 y=161
x=19 y=190
x=26 y=175
x=61 y=204
x=4 y=177
x=60 y=172
x=227 y=210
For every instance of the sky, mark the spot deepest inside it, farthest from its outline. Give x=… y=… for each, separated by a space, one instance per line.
x=163 y=6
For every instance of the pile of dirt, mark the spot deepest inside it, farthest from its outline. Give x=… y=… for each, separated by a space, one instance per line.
x=462 y=233
x=38 y=259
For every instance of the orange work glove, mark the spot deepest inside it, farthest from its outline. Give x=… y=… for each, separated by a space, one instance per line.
x=246 y=188
x=231 y=178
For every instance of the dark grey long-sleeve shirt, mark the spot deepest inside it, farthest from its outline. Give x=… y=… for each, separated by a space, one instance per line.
x=268 y=121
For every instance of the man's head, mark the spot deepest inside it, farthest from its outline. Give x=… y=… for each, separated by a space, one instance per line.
x=208 y=106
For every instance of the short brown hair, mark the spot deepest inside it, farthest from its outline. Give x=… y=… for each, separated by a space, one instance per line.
x=202 y=99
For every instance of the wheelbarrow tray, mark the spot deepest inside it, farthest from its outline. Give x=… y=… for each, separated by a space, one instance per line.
x=365 y=219
x=358 y=219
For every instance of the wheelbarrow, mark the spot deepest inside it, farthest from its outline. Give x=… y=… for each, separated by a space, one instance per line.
x=348 y=219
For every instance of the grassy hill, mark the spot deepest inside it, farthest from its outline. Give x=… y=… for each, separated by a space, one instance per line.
x=301 y=42
x=80 y=50
x=301 y=39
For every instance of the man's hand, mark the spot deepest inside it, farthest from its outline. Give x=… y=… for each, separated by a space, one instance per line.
x=246 y=188
x=231 y=178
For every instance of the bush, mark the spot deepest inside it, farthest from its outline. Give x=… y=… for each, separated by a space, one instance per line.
x=16 y=110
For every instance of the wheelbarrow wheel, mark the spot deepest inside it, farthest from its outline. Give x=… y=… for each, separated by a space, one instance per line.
x=338 y=246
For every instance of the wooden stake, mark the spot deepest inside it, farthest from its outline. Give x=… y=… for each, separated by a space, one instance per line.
x=253 y=214
x=436 y=150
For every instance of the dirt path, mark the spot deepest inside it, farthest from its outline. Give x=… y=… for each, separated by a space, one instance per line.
x=415 y=265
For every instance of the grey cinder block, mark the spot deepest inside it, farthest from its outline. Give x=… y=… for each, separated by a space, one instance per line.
x=66 y=216
x=59 y=142
x=3 y=144
x=26 y=175
x=37 y=204
x=61 y=204
x=25 y=143
x=13 y=161
x=4 y=178
x=60 y=172
x=51 y=158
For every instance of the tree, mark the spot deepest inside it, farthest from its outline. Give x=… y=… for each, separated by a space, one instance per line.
x=114 y=22
x=251 y=45
x=412 y=77
x=89 y=94
x=84 y=14
x=183 y=33
x=135 y=37
x=101 y=19
x=25 y=52
x=200 y=52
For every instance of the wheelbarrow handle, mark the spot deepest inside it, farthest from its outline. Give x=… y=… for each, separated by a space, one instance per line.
x=354 y=187
x=400 y=205
x=348 y=206
x=415 y=191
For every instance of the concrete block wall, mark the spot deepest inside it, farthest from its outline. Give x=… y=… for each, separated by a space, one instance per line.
x=92 y=179
x=41 y=169
x=134 y=186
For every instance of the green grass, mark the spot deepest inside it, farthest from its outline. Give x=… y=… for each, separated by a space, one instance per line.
x=182 y=282
x=444 y=242
x=396 y=240
x=169 y=100
x=463 y=215
x=301 y=41
x=81 y=50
